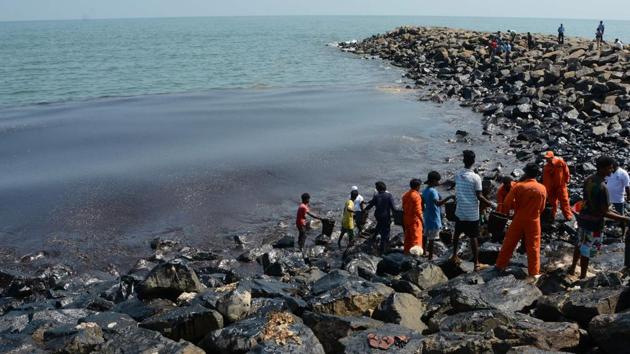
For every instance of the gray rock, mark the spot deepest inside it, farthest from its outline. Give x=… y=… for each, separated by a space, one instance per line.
x=235 y=305
x=353 y=298
x=426 y=275
x=143 y=340
x=504 y=293
x=168 y=281
x=80 y=339
x=329 y=329
x=191 y=323
x=357 y=342
x=525 y=330
x=611 y=332
x=403 y=309
x=461 y=343
x=473 y=321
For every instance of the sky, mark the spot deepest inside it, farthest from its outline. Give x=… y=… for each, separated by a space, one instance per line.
x=22 y=10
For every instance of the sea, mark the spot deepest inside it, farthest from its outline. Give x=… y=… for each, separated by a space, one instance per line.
x=115 y=132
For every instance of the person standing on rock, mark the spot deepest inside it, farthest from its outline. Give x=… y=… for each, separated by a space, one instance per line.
x=412 y=217
x=556 y=178
x=508 y=52
x=527 y=198
x=347 y=219
x=383 y=201
x=506 y=185
x=590 y=220
x=618 y=185
x=530 y=41
x=561 y=34
x=468 y=191
x=300 y=220
x=432 y=213
x=359 y=214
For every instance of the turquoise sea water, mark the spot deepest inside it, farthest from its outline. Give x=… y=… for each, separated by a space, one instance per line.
x=78 y=60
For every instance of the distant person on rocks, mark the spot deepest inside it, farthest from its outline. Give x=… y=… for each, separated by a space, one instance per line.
x=468 y=190
x=508 y=52
x=300 y=220
x=359 y=214
x=527 y=198
x=599 y=34
x=347 y=219
x=561 y=34
x=556 y=178
x=493 y=47
x=530 y=41
x=596 y=207
x=512 y=36
x=506 y=186
x=383 y=201
x=431 y=210
x=412 y=217
x=618 y=185
x=618 y=44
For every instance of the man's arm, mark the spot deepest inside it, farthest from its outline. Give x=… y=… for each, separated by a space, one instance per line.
x=392 y=206
x=614 y=216
x=483 y=199
x=444 y=201
x=313 y=215
x=371 y=204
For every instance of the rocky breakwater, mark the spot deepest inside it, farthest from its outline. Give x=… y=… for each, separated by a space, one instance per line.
x=184 y=300
x=570 y=98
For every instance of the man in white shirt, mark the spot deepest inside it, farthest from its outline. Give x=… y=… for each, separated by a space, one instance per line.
x=359 y=206
x=618 y=184
x=468 y=191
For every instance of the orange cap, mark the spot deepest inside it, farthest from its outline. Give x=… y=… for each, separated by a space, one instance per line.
x=549 y=154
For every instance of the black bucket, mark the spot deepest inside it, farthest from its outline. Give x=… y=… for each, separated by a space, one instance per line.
x=547 y=217
x=450 y=211
x=398 y=217
x=327 y=227
x=496 y=226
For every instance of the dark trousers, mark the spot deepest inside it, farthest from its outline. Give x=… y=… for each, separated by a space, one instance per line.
x=301 y=237
x=383 y=228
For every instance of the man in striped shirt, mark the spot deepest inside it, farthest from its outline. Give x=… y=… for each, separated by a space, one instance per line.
x=468 y=192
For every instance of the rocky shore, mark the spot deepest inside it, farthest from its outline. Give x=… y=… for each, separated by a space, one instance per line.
x=571 y=98
x=271 y=299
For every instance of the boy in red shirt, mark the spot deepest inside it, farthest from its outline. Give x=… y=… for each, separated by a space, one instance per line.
x=300 y=220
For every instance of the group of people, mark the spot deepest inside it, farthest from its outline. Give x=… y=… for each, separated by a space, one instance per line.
x=524 y=201
x=599 y=36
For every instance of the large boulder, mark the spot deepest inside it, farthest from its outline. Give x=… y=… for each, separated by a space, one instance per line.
x=461 y=343
x=473 y=321
x=191 y=323
x=280 y=262
x=611 y=332
x=329 y=329
x=395 y=263
x=426 y=276
x=142 y=340
x=363 y=265
x=403 y=309
x=525 y=330
x=504 y=293
x=353 y=298
x=235 y=305
x=168 y=281
x=357 y=343
x=582 y=305
x=140 y=310
x=275 y=332
x=80 y=339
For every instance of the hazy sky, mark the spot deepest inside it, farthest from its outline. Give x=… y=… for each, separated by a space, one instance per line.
x=11 y=10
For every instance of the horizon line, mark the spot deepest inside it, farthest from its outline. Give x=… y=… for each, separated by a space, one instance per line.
x=87 y=18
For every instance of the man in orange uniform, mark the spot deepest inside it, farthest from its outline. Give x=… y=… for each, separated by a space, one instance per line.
x=503 y=191
x=527 y=198
x=412 y=215
x=556 y=178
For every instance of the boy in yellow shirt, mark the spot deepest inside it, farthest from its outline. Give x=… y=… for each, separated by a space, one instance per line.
x=347 y=221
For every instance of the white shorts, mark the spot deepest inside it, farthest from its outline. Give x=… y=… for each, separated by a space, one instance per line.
x=432 y=234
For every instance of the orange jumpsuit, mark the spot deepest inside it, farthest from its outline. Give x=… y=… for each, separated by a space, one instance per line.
x=501 y=194
x=556 y=178
x=412 y=219
x=527 y=198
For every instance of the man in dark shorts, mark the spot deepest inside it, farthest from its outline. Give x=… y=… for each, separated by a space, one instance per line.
x=591 y=218
x=359 y=211
x=468 y=191
x=300 y=219
x=384 y=203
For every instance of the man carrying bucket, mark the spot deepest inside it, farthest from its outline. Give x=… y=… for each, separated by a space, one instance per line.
x=556 y=178
x=527 y=198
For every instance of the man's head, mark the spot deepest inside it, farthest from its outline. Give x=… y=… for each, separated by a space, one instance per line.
x=507 y=180
x=433 y=178
x=354 y=194
x=415 y=184
x=531 y=170
x=469 y=158
x=605 y=165
x=549 y=155
x=306 y=198
x=380 y=186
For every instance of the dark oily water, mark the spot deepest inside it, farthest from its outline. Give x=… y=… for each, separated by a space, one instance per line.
x=92 y=183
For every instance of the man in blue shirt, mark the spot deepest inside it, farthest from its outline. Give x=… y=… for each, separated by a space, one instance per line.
x=384 y=203
x=431 y=212
x=561 y=34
